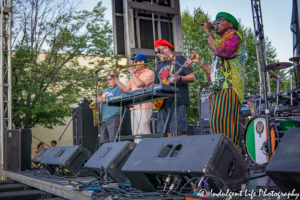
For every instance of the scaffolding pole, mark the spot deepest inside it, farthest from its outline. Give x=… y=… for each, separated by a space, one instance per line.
x=5 y=73
x=254 y=2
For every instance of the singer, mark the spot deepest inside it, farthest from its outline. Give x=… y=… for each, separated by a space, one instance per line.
x=226 y=75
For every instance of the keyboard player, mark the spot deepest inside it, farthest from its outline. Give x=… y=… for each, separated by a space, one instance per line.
x=141 y=77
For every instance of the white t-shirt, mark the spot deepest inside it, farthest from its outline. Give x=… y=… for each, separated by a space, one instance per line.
x=213 y=69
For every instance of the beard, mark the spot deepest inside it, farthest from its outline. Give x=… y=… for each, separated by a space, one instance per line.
x=162 y=58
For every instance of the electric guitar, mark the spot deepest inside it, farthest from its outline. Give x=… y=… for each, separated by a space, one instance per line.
x=159 y=103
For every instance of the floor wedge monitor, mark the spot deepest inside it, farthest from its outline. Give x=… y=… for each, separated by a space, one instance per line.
x=154 y=160
x=39 y=157
x=67 y=160
x=111 y=157
x=284 y=166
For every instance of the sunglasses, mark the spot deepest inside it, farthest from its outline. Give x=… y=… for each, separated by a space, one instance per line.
x=219 y=20
x=109 y=79
x=135 y=61
x=159 y=51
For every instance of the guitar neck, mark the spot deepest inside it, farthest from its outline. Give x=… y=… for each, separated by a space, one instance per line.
x=186 y=64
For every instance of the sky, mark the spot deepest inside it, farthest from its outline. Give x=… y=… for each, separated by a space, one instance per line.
x=276 y=16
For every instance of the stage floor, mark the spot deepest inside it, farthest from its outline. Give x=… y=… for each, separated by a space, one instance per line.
x=59 y=187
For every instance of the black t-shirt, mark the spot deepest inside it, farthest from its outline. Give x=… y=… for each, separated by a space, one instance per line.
x=163 y=71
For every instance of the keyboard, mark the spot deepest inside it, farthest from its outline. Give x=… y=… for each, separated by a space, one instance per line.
x=143 y=95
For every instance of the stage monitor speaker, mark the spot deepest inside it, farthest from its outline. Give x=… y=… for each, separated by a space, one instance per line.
x=68 y=159
x=203 y=105
x=39 y=157
x=112 y=157
x=283 y=168
x=190 y=156
x=84 y=132
x=17 y=151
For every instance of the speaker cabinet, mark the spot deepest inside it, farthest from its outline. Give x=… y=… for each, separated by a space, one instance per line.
x=191 y=156
x=112 y=157
x=283 y=168
x=84 y=132
x=203 y=105
x=17 y=151
x=39 y=157
x=68 y=160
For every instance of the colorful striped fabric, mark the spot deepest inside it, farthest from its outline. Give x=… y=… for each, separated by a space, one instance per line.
x=224 y=114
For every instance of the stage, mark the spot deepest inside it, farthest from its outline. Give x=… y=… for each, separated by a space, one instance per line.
x=59 y=187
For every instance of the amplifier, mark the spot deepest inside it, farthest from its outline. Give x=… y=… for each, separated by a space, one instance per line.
x=203 y=105
x=112 y=157
x=193 y=156
x=69 y=159
x=17 y=146
x=283 y=167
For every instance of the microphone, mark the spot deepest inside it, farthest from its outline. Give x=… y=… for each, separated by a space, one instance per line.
x=214 y=27
x=98 y=70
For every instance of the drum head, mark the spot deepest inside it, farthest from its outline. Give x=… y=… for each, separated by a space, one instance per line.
x=256 y=140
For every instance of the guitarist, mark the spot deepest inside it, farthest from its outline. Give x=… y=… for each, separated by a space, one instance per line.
x=165 y=70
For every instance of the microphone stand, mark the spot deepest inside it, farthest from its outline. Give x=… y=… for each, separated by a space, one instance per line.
x=260 y=35
x=97 y=106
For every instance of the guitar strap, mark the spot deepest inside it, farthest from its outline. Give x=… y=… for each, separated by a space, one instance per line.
x=172 y=65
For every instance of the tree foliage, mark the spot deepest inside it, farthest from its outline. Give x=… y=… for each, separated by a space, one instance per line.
x=49 y=37
x=194 y=39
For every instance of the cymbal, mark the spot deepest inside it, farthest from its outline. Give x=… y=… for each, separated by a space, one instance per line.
x=273 y=75
x=278 y=66
x=295 y=59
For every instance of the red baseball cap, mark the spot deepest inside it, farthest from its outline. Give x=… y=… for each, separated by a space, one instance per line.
x=162 y=42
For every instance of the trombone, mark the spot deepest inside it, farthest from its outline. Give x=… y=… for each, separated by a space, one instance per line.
x=121 y=67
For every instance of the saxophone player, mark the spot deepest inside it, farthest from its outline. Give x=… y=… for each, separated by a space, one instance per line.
x=110 y=114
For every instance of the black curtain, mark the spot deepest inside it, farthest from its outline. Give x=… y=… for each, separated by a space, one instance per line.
x=295 y=30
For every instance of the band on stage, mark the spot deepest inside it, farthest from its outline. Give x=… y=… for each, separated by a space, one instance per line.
x=226 y=75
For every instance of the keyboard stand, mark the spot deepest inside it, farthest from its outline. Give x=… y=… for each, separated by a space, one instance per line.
x=156 y=135
x=164 y=133
x=120 y=123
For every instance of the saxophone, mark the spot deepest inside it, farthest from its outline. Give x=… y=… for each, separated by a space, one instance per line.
x=96 y=113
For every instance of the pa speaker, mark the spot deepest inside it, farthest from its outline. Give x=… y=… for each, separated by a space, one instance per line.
x=84 y=132
x=189 y=156
x=17 y=146
x=112 y=157
x=283 y=168
x=68 y=160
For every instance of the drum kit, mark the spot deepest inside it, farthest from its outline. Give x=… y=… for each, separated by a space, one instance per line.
x=285 y=114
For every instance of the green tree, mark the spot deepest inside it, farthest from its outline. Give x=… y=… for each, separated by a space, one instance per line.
x=194 y=39
x=50 y=37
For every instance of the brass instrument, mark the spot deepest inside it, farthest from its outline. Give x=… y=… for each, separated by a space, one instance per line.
x=97 y=113
x=121 y=67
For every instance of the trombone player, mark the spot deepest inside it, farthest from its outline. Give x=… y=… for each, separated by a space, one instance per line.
x=140 y=77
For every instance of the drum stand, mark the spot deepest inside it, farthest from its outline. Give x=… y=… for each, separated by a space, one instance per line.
x=290 y=71
x=277 y=94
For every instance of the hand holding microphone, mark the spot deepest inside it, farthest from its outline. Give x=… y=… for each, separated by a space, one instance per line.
x=208 y=26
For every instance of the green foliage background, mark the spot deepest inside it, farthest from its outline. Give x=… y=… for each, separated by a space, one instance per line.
x=48 y=39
